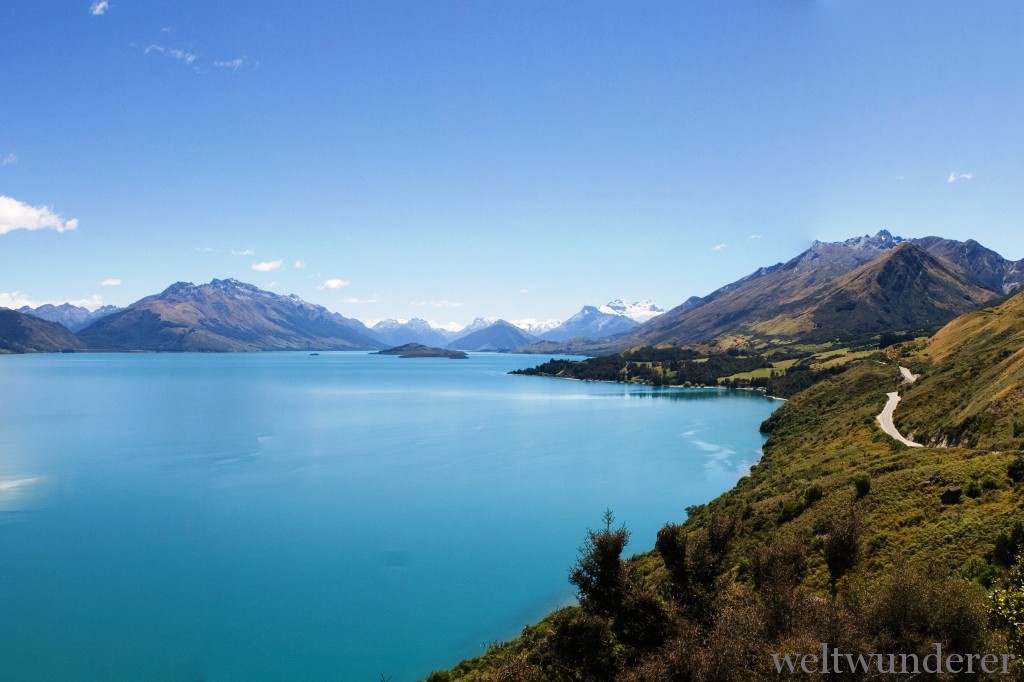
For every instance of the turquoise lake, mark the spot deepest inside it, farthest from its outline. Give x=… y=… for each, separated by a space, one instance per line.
x=283 y=516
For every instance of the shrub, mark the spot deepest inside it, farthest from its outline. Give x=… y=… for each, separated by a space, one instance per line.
x=1016 y=469
x=862 y=482
x=812 y=494
x=789 y=510
x=1008 y=545
x=841 y=546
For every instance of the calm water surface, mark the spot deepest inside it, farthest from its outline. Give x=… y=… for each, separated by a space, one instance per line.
x=281 y=516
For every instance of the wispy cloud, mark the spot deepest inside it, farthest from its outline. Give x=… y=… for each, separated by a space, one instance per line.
x=954 y=176
x=357 y=301
x=299 y=265
x=232 y=64
x=754 y=236
x=267 y=266
x=246 y=252
x=334 y=284
x=204 y=249
x=99 y=8
x=16 y=215
x=9 y=159
x=447 y=326
x=719 y=247
x=112 y=282
x=437 y=304
x=172 y=52
x=524 y=291
x=17 y=299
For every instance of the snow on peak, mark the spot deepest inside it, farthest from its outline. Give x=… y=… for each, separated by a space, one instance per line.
x=531 y=325
x=639 y=311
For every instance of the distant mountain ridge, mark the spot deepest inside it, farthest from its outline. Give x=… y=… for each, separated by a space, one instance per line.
x=226 y=315
x=74 y=317
x=590 y=322
x=833 y=290
x=399 y=333
x=500 y=337
x=638 y=311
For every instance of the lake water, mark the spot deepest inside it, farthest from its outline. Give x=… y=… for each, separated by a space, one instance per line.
x=282 y=516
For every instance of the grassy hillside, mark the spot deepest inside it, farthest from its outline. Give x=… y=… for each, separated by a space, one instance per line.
x=972 y=389
x=838 y=535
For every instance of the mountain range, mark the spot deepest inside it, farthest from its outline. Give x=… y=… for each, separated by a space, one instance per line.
x=843 y=289
x=400 y=332
x=74 y=317
x=500 y=337
x=832 y=291
x=226 y=315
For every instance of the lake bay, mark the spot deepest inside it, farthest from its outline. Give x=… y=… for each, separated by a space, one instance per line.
x=284 y=516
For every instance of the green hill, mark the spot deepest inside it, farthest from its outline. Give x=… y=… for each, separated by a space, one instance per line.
x=972 y=389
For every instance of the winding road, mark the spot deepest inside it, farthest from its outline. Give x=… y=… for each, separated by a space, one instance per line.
x=885 y=416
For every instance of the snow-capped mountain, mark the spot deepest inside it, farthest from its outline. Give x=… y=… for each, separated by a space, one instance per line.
x=590 y=322
x=638 y=311
x=536 y=327
x=400 y=332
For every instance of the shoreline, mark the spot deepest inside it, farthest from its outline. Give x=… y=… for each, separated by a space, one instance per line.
x=674 y=386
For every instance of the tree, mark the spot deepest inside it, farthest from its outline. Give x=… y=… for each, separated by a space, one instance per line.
x=841 y=546
x=598 y=572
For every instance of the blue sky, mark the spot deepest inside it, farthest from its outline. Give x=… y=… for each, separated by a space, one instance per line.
x=449 y=160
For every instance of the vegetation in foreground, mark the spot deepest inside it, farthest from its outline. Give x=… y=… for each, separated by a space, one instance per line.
x=839 y=535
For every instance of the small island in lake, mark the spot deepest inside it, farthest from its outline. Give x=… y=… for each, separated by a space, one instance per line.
x=418 y=350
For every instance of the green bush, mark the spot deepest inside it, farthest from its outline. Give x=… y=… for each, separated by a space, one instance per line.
x=862 y=482
x=1008 y=545
x=1016 y=469
x=812 y=494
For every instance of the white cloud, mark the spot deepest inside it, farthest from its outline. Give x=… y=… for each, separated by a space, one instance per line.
x=372 y=299
x=112 y=282
x=334 y=284
x=719 y=247
x=524 y=291
x=447 y=326
x=230 y=63
x=954 y=176
x=17 y=299
x=172 y=52
x=9 y=159
x=246 y=252
x=99 y=8
x=754 y=236
x=204 y=249
x=15 y=215
x=437 y=304
x=299 y=265
x=267 y=266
